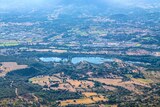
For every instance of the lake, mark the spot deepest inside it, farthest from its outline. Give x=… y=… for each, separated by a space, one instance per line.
x=75 y=60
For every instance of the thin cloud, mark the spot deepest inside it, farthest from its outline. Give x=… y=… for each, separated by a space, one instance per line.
x=19 y=4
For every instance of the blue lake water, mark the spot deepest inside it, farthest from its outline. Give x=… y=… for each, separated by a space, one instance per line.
x=75 y=60
x=50 y=59
x=95 y=60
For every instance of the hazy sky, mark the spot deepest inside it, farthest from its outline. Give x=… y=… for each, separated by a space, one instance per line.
x=18 y=4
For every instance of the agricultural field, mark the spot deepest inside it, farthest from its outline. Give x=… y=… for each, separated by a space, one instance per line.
x=6 y=67
x=80 y=84
x=9 y=43
x=153 y=76
x=89 y=94
x=129 y=85
x=56 y=82
x=91 y=98
x=107 y=105
x=44 y=80
x=142 y=81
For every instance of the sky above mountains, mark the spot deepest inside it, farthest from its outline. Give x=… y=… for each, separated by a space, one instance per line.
x=22 y=4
